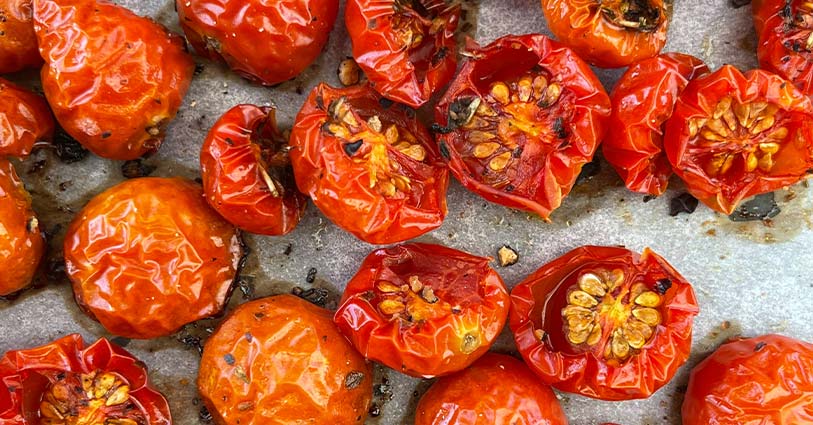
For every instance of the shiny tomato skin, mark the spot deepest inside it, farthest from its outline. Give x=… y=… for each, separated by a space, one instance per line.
x=131 y=78
x=783 y=29
x=281 y=360
x=495 y=390
x=25 y=120
x=149 y=255
x=265 y=42
x=425 y=339
x=18 y=44
x=22 y=243
x=763 y=380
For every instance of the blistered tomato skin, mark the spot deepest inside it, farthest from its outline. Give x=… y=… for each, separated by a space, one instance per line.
x=18 y=43
x=124 y=91
x=280 y=360
x=21 y=243
x=423 y=310
x=266 y=42
x=784 y=29
x=149 y=255
x=25 y=120
x=113 y=387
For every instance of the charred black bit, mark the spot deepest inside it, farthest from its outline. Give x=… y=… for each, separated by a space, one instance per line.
x=198 y=69
x=444 y=151
x=385 y=103
x=351 y=148
x=517 y=153
x=383 y=391
x=461 y=111
x=736 y=4
x=589 y=170
x=662 y=286
x=246 y=286
x=55 y=269
x=760 y=207
x=136 y=168
x=288 y=249
x=648 y=198
x=683 y=203
x=120 y=341
x=37 y=167
x=760 y=345
x=65 y=185
x=439 y=55
x=191 y=341
x=439 y=129
x=316 y=296
x=204 y=415
x=374 y=411
x=229 y=359
x=353 y=379
x=311 y=277
x=68 y=150
x=559 y=128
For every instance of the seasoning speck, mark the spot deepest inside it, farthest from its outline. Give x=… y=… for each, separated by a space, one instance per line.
x=353 y=379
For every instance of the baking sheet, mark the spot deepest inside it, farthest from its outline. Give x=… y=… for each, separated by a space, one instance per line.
x=750 y=278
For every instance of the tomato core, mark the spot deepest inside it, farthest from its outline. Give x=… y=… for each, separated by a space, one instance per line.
x=89 y=398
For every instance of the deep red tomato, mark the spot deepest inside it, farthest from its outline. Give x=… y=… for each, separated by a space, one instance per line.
x=754 y=381
x=265 y=41
x=407 y=48
x=113 y=79
x=604 y=322
x=733 y=136
x=643 y=99
x=610 y=34
x=424 y=310
x=519 y=121
x=785 y=31
x=495 y=390
x=148 y=256
x=247 y=174
x=368 y=164
x=279 y=361
x=18 y=43
x=65 y=382
x=25 y=120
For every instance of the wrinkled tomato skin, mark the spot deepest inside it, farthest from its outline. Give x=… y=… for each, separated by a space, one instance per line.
x=26 y=375
x=234 y=157
x=764 y=380
x=643 y=99
x=586 y=373
x=149 y=255
x=782 y=46
x=265 y=42
x=18 y=43
x=401 y=73
x=444 y=341
x=125 y=90
x=280 y=360
x=25 y=120
x=495 y=390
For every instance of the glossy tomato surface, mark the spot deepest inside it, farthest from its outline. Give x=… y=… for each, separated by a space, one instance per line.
x=764 y=380
x=604 y=322
x=735 y=135
x=785 y=32
x=406 y=48
x=18 y=43
x=21 y=242
x=519 y=121
x=25 y=120
x=65 y=382
x=113 y=79
x=368 y=164
x=643 y=99
x=281 y=360
x=148 y=256
x=495 y=390
x=422 y=309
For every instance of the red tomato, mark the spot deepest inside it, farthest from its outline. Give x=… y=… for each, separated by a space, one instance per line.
x=18 y=43
x=604 y=322
x=519 y=121
x=424 y=310
x=754 y=381
x=733 y=136
x=65 y=382
x=643 y=99
x=21 y=242
x=406 y=48
x=247 y=174
x=369 y=165
x=25 y=120
x=495 y=390
x=785 y=31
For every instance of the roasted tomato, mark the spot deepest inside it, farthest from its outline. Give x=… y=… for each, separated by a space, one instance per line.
x=495 y=390
x=113 y=79
x=519 y=121
x=785 y=31
x=148 y=256
x=424 y=310
x=733 y=136
x=18 y=43
x=763 y=380
x=407 y=48
x=65 y=382
x=610 y=34
x=265 y=41
x=643 y=99
x=247 y=174
x=25 y=120
x=280 y=360
x=368 y=164
x=21 y=240
x=604 y=322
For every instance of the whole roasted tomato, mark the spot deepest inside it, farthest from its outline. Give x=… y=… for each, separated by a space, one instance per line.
x=148 y=256
x=18 y=43
x=764 y=380
x=785 y=31
x=495 y=390
x=519 y=121
x=25 y=120
x=368 y=164
x=604 y=322
x=113 y=79
x=610 y=34
x=643 y=99
x=733 y=136
x=65 y=382
x=247 y=175
x=21 y=240
x=265 y=41
x=407 y=48
x=280 y=360
x=424 y=310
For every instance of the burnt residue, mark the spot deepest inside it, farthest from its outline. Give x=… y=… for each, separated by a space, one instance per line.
x=311 y=276
x=760 y=345
x=317 y=296
x=760 y=207
x=136 y=168
x=353 y=379
x=205 y=416
x=736 y=4
x=246 y=286
x=662 y=286
x=683 y=203
x=67 y=149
